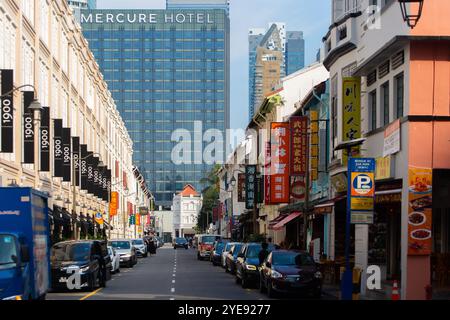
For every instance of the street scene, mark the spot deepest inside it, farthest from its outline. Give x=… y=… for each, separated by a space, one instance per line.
x=225 y=150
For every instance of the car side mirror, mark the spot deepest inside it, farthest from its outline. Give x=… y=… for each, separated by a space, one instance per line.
x=24 y=253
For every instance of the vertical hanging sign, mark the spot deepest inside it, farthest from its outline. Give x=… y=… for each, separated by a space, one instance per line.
x=28 y=128
x=58 y=148
x=66 y=154
x=90 y=173
x=7 y=111
x=280 y=147
x=267 y=174
x=250 y=182
x=44 y=140
x=84 y=170
x=76 y=159
x=241 y=187
x=299 y=127
x=351 y=113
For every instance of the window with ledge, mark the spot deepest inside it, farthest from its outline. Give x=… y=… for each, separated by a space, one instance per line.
x=373 y=110
x=399 y=95
x=385 y=103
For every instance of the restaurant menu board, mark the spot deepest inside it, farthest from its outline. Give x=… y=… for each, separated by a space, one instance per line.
x=419 y=211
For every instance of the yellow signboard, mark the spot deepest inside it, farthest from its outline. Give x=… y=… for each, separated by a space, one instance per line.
x=383 y=168
x=351 y=113
x=362 y=203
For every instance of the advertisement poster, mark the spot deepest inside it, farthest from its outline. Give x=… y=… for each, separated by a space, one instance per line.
x=392 y=138
x=419 y=211
x=299 y=136
x=279 y=182
x=351 y=113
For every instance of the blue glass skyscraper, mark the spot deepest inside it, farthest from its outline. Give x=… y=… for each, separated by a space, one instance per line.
x=166 y=70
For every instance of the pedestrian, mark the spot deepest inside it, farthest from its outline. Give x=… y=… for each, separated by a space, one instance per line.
x=151 y=247
x=262 y=255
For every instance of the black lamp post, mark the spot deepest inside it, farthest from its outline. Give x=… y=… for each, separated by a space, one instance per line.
x=411 y=14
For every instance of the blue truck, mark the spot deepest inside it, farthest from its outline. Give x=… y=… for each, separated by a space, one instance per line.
x=24 y=244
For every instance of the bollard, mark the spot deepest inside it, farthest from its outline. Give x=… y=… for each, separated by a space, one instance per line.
x=356 y=283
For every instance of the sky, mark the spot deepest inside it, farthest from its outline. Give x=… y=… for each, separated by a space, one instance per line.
x=310 y=16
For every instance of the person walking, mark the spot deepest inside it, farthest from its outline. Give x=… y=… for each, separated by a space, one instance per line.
x=152 y=246
x=263 y=253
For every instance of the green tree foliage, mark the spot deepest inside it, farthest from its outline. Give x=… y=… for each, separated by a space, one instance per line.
x=210 y=197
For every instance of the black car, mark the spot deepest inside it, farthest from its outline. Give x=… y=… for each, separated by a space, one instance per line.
x=247 y=263
x=290 y=271
x=89 y=257
x=216 y=255
x=230 y=260
x=180 y=243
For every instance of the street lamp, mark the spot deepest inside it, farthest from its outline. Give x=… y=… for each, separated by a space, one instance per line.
x=411 y=11
x=347 y=283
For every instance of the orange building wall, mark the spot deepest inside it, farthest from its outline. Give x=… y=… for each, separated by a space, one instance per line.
x=434 y=20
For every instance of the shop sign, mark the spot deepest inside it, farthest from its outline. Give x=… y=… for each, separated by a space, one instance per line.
x=388 y=198
x=298 y=188
x=299 y=138
x=361 y=189
x=314 y=154
x=351 y=112
x=250 y=183
x=392 y=138
x=419 y=211
x=280 y=147
x=339 y=182
x=241 y=187
x=383 y=168
x=267 y=176
x=143 y=211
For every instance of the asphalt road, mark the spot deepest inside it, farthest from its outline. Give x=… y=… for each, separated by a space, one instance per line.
x=168 y=275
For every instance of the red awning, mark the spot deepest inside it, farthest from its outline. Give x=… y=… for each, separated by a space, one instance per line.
x=287 y=219
x=276 y=220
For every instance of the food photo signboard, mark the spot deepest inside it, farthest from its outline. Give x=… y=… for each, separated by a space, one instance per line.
x=419 y=211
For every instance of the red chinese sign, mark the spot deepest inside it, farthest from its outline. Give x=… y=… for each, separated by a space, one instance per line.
x=267 y=174
x=280 y=146
x=241 y=187
x=215 y=216
x=299 y=145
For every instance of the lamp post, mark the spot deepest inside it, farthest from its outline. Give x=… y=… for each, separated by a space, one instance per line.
x=347 y=284
x=411 y=11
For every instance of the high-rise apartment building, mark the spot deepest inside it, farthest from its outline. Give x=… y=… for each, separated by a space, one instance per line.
x=273 y=54
x=168 y=72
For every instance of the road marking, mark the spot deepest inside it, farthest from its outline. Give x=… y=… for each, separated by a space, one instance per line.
x=91 y=294
x=173 y=274
x=172 y=298
x=172 y=290
x=173 y=281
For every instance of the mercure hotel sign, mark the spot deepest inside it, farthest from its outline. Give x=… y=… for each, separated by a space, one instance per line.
x=200 y=18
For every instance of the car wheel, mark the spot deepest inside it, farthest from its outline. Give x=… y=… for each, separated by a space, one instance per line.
x=244 y=282
x=317 y=294
x=226 y=268
x=91 y=283
x=271 y=293
x=238 y=280
x=130 y=264
x=198 y=256
x=146 y=255
x=262 y=288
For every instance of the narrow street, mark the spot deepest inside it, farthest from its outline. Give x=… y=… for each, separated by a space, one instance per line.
x=170 y=274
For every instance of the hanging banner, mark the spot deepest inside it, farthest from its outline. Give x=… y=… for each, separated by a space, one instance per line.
x=299 y=145
x=280 y=145
x=250 y=180
x=420 y=210
x=58 y=148
x=392 y=138
x=114 y=203
x=67 y=154
x=351 y=113
x=95 y=180
x=215 y=215
x=105 y=184
x=84 y=170
x=44 y=140
x=362 y=189
x=7 y=111
x=314 y=149
x=28 y=127
x=76 y=159
x=108 y=183
x=267 y=176
x=90 y=172
x=100 y=189
x=241 y=187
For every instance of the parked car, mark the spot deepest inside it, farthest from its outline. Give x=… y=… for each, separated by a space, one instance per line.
x=82 y=255
x=230 y=261
x=141 y=248
x=205 y=245
x=290 y=271
x=180 y=243
x=225 y=252
x=247 y=263
x=115 y=259
x=216 y=255
x=126 y=250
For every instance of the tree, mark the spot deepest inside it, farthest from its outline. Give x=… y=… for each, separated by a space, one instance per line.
x=210 y=197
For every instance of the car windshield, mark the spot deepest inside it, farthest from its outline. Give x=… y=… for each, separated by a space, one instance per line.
x=237 y=248
x=120 y=244
x=110 y=251
x=181 y=240
x=208 y=239
x=228 y=247
x=220 y=246
x=71 y=252
x=253 y=251
x=138 y=242
x=8 y=250
x=292 y=259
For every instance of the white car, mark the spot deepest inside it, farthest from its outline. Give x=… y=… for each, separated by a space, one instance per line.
x=115 y=259
x=225 y=252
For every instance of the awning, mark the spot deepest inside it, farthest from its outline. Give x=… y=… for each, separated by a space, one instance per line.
x=287 y=219
x=276 y=220
x=327 y=207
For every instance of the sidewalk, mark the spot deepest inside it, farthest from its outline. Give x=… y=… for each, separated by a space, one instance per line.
x=334 y=291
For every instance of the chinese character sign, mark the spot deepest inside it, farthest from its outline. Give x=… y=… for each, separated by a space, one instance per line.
x=114 y=203
x=314 y=153
x=250 y=186
x=351 y=112
x=241 y=187
x=299 y=127
x=280 y=150
x=267 y=176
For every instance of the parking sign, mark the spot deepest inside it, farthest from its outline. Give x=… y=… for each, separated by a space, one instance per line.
x=362 y=189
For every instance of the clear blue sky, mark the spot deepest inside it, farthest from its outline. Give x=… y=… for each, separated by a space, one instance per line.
x=310 y=16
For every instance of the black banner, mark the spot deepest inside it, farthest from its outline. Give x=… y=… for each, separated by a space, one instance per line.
x=108 y=185
x=250 y=186
x=76 y=159
x=95 y=181
x=7 y=111
x=100 y=182
x=28 y=127
x=90 y=173
x=67 y=154
x=58 y=148
x=84 y=171
x=44 y=139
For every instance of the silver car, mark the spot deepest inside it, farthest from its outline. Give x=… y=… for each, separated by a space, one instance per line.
x=126 y=251
x=141 y=247
x=225 y=252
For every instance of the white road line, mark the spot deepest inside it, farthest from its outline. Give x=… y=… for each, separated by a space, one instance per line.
x=173 y=281
x=172 y=290
x=172 y=298
x=173 y=275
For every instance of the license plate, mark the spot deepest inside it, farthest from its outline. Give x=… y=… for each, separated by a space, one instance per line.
x=63 y=279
